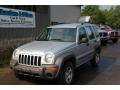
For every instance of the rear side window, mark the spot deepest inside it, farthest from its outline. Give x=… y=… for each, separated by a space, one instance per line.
x=90 y=32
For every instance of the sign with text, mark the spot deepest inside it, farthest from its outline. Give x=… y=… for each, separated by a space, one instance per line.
x=13 y=18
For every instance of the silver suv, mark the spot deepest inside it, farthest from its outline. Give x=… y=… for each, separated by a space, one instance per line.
x=58 y=52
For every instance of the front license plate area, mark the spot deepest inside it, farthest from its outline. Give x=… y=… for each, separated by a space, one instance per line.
x=29 y=69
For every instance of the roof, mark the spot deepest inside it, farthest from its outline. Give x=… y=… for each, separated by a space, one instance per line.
x=71 y=25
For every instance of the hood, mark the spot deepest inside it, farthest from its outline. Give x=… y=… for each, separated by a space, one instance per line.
x=101 y=30
x=45 y=46
x=108 y=30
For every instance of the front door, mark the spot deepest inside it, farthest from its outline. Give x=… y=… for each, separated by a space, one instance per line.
x=82 y=47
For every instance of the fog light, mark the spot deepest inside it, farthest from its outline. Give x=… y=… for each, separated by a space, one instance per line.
x=52 y=68
x=13 y=62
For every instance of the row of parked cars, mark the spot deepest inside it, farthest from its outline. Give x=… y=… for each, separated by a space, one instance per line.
x=57 y=53
x=107 y=33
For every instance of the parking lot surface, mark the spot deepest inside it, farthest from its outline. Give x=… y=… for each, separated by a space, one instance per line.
x=107 y=73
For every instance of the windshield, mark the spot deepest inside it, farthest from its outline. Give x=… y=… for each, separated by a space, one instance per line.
x=59 y=34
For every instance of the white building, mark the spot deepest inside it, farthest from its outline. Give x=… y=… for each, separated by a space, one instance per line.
x=64 y=13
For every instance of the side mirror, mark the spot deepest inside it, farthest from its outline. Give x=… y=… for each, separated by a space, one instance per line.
x=84 y=40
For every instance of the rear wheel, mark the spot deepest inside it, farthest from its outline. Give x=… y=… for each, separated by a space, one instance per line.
x=66 y=76
x=96 y=59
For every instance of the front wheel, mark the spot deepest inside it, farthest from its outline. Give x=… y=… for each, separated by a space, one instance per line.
x=115 y=40
x=104 y=43
x=95 y=60
x=67 y=74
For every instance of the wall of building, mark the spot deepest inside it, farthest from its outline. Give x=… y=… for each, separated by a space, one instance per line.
x=64 y=13
x=13 y=36
x=44 y=15
x=41 y=22
x=41 y=19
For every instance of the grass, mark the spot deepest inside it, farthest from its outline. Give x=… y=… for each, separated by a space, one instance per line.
x=4 y=63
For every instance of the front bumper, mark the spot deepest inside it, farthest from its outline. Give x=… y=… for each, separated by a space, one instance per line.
x=43 y=71
x=104 y=39
x=114 y=37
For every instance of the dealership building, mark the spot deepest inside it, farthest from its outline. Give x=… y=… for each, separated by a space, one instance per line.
x=21 y=23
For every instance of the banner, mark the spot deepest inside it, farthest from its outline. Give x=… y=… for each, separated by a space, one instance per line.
x=13 y=18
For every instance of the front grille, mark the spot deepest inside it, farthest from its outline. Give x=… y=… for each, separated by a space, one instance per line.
x=114 y=33
x=100 y=34
x=104 y=34
x=30 y=60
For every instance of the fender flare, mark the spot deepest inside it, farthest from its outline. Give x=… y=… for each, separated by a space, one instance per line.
x=98 y=48
x=60 y=61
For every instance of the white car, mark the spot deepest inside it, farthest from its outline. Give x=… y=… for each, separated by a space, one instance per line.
x=103 y=35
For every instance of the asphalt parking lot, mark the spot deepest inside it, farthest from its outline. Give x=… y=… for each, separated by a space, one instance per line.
x=108 y=72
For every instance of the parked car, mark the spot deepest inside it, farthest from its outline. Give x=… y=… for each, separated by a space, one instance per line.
x=57 y=53
x=112 y=34
x=103 y=35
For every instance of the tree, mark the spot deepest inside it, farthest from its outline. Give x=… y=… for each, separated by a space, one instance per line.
x=113 y=17
x=97 y=16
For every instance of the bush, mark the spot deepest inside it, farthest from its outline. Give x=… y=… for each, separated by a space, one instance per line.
x=5 y=55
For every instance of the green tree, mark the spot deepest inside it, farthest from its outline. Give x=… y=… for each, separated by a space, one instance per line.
x=113 y=17
x=97 y=16
x=109 y=17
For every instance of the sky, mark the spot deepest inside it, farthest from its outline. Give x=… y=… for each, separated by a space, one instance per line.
x=105 y=7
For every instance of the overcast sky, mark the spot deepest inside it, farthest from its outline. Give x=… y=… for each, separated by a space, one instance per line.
x=105 y=6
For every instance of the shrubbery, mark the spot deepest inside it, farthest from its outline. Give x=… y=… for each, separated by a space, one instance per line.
x=108 y=16
x=5 y=55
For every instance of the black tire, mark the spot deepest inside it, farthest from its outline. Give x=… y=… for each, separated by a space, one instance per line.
x=115 y=40
x=67 y=74
x=104 y=43
x=95 y=60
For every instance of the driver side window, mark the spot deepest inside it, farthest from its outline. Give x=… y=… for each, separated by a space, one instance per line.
x=82 y=34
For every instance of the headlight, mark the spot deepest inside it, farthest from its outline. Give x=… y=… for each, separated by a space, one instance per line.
x=49 y=58
x=15 y=55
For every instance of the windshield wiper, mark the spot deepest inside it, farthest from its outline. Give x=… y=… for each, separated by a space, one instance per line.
x=41 y=40
x=57 y=39
x=38 y=39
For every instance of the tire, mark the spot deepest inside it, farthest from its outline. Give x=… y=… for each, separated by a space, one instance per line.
x=115 y=40
x=67 y=73
x=104 y=43
x=96 y=59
